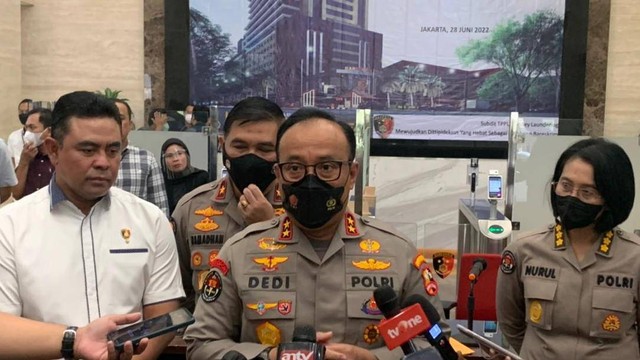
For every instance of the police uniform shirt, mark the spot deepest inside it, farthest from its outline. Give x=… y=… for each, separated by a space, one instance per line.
x=203 y=220
x=61 y=266
x=269 y=279
x=550 y=306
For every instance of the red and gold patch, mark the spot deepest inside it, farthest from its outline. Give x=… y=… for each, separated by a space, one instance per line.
x=369 y=246
x=611 y=323
x=208 y=212
x=371 y=264
x=350 y=226
x=213 y=254
x=277 y=194
x=206 y=225
x=418 y=261
x=443 y=263
x=270 y=263
x=196 y=259
x=212 y=287
x=286 y=231
x=220 y=265
x=222 y=190
x=126 y=234
x=430 y=284
x=285 y=306
x=371 y=334
x=278 y=211
x=269 y=243
x=268 y=334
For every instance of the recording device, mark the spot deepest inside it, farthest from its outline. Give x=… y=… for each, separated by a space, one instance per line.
x=495 y=187
x=151 y=328
x=387 y=301
x=479 y=265
x=484 y=343
x=303 y=346
x=233 y=355
x=434 y=333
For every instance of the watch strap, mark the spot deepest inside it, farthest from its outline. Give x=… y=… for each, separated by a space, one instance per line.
x=68 y=340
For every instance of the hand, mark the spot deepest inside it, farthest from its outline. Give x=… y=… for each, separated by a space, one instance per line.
x=29 y=152
x=492 y=353
x=340 y=351
x=253 y=206
x=91 y=341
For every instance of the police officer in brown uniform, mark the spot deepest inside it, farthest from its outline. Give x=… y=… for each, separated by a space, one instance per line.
x=212 y=213
x=317 y=264
x=570 y=291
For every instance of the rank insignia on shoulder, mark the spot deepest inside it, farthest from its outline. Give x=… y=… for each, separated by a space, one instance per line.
x=350 y=226
x=418 y=261
x=212 y=287
x=206 y=225
x=278 y=211
x=261 y=307
x=371 y=334
x=222 y=190
x=270 y=263
x=286 y=232
x=508 y=264
x=268 y=334
x=443 y=263
x=371 y=264
x=126 y=234
x=208 y=212
x=277 y=194
x=213 y=254
x=611 y=323
x=269 y=243
x=369 y=246
x=285 y=306
x=221 y=265
x=370 y=307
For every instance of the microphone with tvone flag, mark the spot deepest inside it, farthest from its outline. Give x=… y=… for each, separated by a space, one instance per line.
x=387 y=301
x=302 y=347
x=434 y=333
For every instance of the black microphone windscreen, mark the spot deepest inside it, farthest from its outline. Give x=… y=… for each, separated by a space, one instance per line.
x=386 y=300
x=481 y=261
x=305 y=333
x=429 y=309
x=233 y=355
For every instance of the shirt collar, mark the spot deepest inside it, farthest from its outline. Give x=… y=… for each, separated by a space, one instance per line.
x=57 y=196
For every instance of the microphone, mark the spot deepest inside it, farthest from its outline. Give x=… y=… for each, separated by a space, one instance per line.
x=302 y=347
x=387 y=301
x=479 y=265
x=233 y=355
x=434 y=334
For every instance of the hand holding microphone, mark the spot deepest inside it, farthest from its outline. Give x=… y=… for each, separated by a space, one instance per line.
x=302 y=347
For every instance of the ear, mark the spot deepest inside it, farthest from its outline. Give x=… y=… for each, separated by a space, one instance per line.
x=53 y=148
x=353 y=173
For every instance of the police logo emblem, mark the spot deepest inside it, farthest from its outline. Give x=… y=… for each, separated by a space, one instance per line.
x=331 y=204
x=535 y=311
x=213 y=254
x=206 y=225
x=261 y=307
x=371 y=334
x=370 y=307
x=383 y=125
x=208 y=212
x=371 y=264
x=270 y=263
x=268 y=334
x=285 y=306
x=126 y=234
x=196 y=259
x=369 y=246
x=508 y=265
x=443 y=263
x=269 y=243
x=212 y=287
x=611 y=323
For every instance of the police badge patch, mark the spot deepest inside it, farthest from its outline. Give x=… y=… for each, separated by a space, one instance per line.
x=212 y=287
x=508 y=265
x=443 y=263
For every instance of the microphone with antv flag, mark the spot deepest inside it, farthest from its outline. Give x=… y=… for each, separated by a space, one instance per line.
x=434 y=334
x=387 y=301
x=479 y=265
x=302 y=347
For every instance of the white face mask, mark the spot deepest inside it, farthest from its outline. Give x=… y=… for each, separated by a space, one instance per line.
x=32 y=137
x=188 y=118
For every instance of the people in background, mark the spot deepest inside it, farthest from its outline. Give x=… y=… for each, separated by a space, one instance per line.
x=157 y=120
x=84 y=249
x=212 y=213
x=198 y=119
x=180 y=176
x=14 y=141
x=34 y=169
x=308 y=265
x=139 y=172
x=33 y=340
x=7 y=175
x=570 y=290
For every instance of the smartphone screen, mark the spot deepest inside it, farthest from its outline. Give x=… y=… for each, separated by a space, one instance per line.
x=495 y=187
x=152 y=327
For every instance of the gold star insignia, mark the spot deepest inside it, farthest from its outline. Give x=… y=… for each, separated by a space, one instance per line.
x=286 y=233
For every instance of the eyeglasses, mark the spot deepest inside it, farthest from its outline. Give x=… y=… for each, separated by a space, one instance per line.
x=587 y=193
x=174 y=154
x=324 y=170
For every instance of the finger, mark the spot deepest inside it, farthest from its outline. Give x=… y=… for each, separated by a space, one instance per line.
x=112 y=353
x=323 y=336
x=127 y=351
x=243 y=203
x=126 y=318
x=141 y=346
x=331 y=354
x=253 y=193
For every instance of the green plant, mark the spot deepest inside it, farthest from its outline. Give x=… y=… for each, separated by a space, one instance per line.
x=110 y=94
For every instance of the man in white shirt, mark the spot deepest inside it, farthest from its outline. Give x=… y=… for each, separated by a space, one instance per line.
x=15 y=141
x=92 y=249
x=7 y=175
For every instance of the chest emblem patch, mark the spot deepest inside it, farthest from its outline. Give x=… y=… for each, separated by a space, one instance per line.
x=371 y=264
x=535 y=311
x=206 y=225
x=611 y=323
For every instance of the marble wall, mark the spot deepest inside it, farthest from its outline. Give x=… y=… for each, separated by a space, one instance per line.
x=10 y=66
x=154 y=48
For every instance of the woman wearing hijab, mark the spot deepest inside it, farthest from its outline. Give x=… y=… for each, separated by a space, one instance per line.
x=179 y=176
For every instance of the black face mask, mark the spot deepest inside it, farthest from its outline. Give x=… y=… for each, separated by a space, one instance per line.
x=249 y=169
x=23 y=118
x=312 y=202
x=574 y=213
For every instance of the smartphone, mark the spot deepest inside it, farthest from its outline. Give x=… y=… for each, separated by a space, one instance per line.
x=490 y=328
x=151 y=328
x=495 y=187
x=486 y=344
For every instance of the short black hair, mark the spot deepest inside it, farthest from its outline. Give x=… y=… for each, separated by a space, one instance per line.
x=612 y=173
x=152 y=114
x=309 y=113
x=28 y=101
x=252 y=109
x=123 y=102
x=45 y=116
x=83 y=105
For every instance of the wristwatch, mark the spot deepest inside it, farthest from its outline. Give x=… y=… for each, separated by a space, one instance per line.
x=68 y=339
